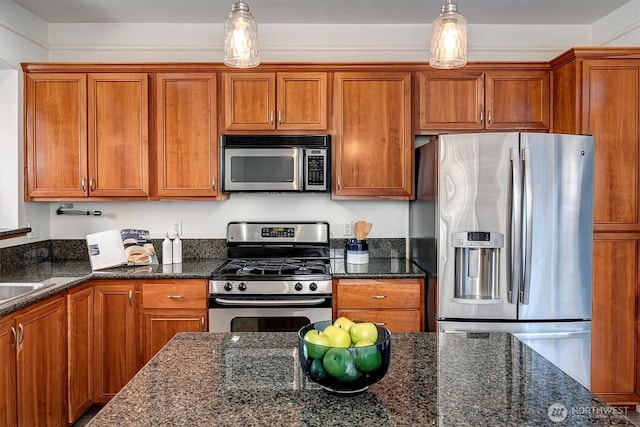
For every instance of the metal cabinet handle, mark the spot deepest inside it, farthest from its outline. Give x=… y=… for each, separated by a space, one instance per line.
x=83 y=184
x=92 y=184
x=213 y=183
x=280 y=117
x=489 y=117
x=131 y=298
x=481 y=116
x=378 y=296
x=175 y=296
x=271 y=114
x=20 y=333
x=15 y=337
x=339 y=184
x=380 y=323
x=202 y=324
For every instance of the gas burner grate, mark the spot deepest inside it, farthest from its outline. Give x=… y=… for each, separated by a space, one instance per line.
x=274 y=267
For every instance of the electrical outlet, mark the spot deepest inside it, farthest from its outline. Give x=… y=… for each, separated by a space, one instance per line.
x=347 y=229
x=35 y=231
x=176 y=229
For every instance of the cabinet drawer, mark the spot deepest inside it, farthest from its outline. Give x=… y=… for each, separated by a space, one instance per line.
x=377 y=295
x=394 y=320
x=174 y=295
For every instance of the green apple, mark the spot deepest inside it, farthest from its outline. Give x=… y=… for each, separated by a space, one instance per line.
x=351 y=374
x=364 y=331
x=344 y=323
x=338 y=337
x=336 y=361
x=317 y=370
x=367 y=357
x=316 y=343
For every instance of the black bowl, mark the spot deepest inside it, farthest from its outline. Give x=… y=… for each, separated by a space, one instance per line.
x=364 y=365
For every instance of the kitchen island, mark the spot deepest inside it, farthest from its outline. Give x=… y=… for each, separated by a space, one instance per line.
x=255 y=379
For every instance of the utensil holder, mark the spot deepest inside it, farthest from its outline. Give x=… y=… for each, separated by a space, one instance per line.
x=357 y=251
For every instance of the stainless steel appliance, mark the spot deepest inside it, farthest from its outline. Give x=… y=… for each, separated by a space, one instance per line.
x=277 y=278
x=275 y=163
x=505 y=220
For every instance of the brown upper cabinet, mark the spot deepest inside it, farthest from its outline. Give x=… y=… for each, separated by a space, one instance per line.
x=373 y=144
x=186 y=135
x=287 y=101
x=469 y=100
x=86 y=136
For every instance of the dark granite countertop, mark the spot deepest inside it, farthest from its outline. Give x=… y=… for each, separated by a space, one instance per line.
x=61 y=275
x=376 y=268
x=254 y=379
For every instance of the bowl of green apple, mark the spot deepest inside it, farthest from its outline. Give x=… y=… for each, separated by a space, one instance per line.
x=345 y=357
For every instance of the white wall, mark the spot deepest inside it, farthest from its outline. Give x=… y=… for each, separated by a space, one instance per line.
x=28 y=39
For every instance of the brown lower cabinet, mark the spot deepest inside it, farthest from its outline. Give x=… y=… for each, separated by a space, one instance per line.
x=33 y=361
x=396 y=304
x=114 y=337
x=80 y=351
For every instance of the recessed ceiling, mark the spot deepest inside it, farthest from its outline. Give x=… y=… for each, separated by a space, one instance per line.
x=519 y=12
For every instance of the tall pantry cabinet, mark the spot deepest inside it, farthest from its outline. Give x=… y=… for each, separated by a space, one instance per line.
x=597 y=92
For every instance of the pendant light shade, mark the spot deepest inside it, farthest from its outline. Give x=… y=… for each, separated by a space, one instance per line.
x=241 y=37
x=448 y=38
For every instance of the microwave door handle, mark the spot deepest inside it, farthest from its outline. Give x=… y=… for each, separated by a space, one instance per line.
x=302 y=166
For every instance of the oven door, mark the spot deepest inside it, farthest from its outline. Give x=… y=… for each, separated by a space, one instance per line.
x=274 y=314
x=262 y=169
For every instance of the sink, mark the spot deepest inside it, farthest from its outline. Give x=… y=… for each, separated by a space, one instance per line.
x=9 y=290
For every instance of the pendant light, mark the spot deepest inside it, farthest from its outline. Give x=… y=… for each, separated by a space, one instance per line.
x=241 y=37
x=448 y=38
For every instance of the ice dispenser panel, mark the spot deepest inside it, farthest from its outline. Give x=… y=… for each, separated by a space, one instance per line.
x=477 y=259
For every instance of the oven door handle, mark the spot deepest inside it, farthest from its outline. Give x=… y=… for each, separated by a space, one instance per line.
x=270 y=302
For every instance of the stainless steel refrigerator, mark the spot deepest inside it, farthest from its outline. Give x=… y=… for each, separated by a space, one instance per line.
x=505 y=222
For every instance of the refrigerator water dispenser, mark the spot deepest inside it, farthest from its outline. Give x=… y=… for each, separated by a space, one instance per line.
x=477 y=261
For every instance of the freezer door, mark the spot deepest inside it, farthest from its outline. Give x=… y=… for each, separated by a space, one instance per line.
x=557 y=227
x=475 y=184
x=565 y=344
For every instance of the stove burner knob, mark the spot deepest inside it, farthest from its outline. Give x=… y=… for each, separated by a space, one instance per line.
x=298 y=286
x=313 y=286
x=228 y=286
x=242 y=286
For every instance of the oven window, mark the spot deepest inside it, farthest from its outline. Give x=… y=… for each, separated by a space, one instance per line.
x=268 y=324
x=262 y=169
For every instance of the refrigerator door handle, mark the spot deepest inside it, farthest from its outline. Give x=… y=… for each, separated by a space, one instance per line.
x=551 y=335
x=514 y=221
x=527 y=235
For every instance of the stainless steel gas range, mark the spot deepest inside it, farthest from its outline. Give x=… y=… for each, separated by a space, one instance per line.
x=277 y=278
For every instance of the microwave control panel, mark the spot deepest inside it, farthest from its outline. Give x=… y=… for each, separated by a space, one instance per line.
x=315 y=169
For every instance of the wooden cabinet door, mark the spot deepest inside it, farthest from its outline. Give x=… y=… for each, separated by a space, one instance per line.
x=187 y=145
x=80 y=351
x=118 y=122
x=56 y=135
x=302 y=101
x=517 y=100
x=114 y=339
x=614 y=363
x=159 y=326
x=8 y=402
x=249 y=101
x=450 y=100
x=611 y=113
x=373 y=140
x=169 y=307
x=40 y=365
x=394 y=320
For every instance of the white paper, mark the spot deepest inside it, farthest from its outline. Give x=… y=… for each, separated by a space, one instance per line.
x=106 y=249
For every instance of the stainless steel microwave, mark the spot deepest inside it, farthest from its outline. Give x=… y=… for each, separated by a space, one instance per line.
x=275 y=163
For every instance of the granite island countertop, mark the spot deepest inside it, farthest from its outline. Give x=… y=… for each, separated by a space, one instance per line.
x=450 y=379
